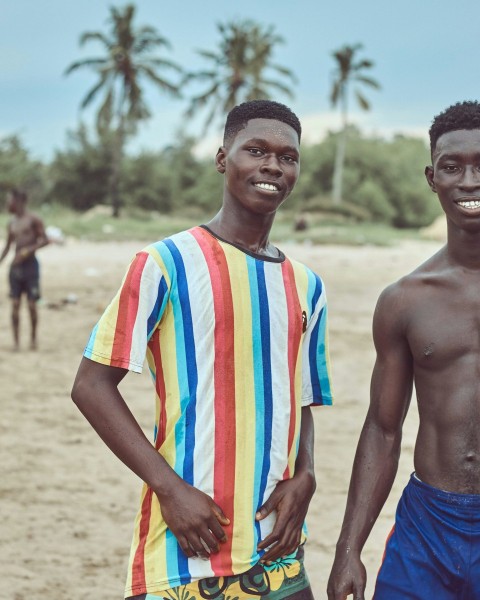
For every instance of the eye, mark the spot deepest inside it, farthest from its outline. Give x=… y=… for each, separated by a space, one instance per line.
x=255 y=151
x=450 y=168
x=289 y=159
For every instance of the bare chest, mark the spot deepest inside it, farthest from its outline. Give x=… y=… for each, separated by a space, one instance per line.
x=444 y=326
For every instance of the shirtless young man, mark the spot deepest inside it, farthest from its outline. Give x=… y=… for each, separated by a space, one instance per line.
x=26 y=231
x=234 y=333
x=426 y=331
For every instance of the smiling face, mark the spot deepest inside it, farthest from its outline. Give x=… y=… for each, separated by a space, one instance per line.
x=261 y=166
x=455 y=176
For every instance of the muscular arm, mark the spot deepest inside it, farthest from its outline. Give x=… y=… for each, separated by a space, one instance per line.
x=291 y=498
x=378 y=450
x=190 y=514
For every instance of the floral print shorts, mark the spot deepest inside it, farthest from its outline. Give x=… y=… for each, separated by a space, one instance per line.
x=281 y=579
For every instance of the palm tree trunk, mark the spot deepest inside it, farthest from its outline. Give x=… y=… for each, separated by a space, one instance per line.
x=337 y=184
x=117 y=155
x=338 y=168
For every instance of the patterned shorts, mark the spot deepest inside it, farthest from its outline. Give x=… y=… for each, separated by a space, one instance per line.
x=283 y=578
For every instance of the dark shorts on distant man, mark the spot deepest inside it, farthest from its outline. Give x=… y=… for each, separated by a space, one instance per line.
x=25 y=279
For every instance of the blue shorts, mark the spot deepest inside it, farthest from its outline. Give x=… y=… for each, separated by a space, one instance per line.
x=433 y=552
x=25 y=279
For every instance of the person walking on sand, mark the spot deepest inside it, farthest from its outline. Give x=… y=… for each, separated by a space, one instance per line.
x=27 y=233
x=235 y=337
x=426 y=331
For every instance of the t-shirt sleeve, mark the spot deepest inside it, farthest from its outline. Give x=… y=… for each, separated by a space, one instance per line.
x=316 y=375
x=120 y=337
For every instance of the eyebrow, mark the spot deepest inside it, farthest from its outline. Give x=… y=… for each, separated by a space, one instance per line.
x=456 y=156
x=265 y=142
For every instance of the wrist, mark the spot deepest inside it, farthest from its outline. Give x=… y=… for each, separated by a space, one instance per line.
x=307 y=476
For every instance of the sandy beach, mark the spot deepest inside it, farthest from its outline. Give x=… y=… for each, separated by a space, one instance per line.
x=67 y=504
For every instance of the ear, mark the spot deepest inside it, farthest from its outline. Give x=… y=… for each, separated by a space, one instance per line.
x=220 y=159
x=429 y=178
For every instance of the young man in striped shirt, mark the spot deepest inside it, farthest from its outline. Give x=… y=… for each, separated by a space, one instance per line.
x=235 y=337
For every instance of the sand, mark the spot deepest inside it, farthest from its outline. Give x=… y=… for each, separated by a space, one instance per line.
x=67 y=504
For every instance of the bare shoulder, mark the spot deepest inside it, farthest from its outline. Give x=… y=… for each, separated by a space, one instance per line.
x=399 y=293
x=394 y=304
x=34 y=218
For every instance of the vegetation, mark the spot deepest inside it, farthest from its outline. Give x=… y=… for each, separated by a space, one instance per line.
x=383 y=182
x=380 y=181
x=239 y=70
x=348 y=71
x=128 y=58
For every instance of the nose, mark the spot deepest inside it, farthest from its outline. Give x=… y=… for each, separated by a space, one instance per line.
x=471 y=178
x=271 y=164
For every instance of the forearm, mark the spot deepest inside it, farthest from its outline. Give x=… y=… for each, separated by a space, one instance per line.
x=374 y=471
x=304 y=464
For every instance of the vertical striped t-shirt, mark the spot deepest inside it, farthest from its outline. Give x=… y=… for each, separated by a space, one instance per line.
x=236 y=344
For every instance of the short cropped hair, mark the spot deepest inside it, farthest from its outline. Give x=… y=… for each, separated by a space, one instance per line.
x=19 y=195
x=239 y=116
x=462 y=115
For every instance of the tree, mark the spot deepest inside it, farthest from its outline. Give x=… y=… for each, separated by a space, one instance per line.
x=128 y=58
x=19 y=169
x=348 y=70
x=238 y=70
x=80 y=173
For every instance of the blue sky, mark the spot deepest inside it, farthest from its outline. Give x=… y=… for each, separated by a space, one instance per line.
x=425 y=54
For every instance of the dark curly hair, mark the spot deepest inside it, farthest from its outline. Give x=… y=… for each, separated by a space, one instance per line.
x=462 y=115
x=239 y=116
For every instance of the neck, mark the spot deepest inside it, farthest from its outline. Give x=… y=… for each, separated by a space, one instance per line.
x=463 y=247
x=249 y=233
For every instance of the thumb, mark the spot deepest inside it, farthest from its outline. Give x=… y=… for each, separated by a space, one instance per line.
x=265 y=509
x=221 y=518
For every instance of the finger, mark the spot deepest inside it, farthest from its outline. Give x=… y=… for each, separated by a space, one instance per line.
x=283 y=547
x=217 y=530
x=358 y=593
x=185 y=546
x=210 y=541
x=198 y=547
x=218 y=512
x=266 y=508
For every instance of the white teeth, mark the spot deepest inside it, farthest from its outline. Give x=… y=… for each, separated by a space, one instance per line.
x=470 y=204
x=267 y=186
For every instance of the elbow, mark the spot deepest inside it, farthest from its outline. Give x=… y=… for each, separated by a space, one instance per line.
x=79 y=392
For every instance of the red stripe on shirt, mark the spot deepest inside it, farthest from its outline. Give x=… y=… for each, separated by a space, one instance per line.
x=128 y=308
x=224 y=384
x=294 y=312
x=138 y=566
x=159 y=388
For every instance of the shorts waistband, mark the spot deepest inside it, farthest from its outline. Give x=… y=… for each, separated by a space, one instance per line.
x=442 y=495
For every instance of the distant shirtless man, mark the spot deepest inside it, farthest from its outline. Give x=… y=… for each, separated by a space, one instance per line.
x=27 y=233
x=426 y=331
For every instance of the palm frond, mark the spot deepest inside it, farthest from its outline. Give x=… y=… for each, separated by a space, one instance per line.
x=97 y=36
x=362 y=101
x=368 y=81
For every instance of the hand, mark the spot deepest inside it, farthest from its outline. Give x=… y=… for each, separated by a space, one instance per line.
x=290 y=499
x=348 y=576
x=193 y=516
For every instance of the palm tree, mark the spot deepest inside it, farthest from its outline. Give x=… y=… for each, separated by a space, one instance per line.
x=348 y=70
x=128 y=58
x=238 y=69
